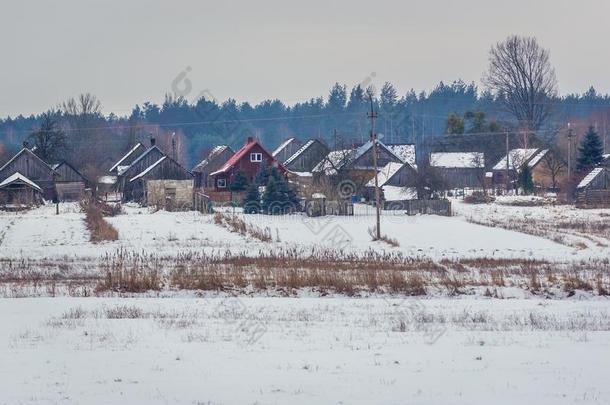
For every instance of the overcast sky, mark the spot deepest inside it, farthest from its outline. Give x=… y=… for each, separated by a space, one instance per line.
x=128 y=52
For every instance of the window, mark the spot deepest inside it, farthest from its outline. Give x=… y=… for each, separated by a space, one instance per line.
x=221 y=183
x=256 y=157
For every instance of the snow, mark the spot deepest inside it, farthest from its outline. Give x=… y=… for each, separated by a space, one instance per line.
x=232 y=350
x=385 y=174
x=107 y=179
x=516 y=158
x=395 y=193
x=282 y=146
x=590 y=177
x=536 y=159
x=18 y=177
x=406 y=152
x=334 y=161
x=215 y=151
x=460 y=160
x=298 y=152
x=148 y=169
x=121 y=160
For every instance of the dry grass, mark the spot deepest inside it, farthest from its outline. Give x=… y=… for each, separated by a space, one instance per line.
x=237 y=225
x=99 y=229
x=383 y=238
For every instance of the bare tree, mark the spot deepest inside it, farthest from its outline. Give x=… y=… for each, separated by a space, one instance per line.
x=520 y=73
x=50 y=141
x=554 y=166
x=85 y=105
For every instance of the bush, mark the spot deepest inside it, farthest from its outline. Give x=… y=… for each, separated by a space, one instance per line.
x=478 y=198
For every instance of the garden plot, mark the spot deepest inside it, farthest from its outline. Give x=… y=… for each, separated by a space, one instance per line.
x=302 y=351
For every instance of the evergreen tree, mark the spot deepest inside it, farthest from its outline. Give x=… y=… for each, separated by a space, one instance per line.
x=252 y=200
x=526 y=182
x=455 y=125
x=590 y=151
x=240 y=182
x=272 y=197
x=261 y=176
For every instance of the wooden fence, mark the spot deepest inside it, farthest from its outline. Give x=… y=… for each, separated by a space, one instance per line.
x=593 y=199
x=321 y=207
x=413 y=207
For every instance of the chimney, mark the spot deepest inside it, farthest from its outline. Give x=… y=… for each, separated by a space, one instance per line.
x=26 y=144
x=250 y=139
x=152 y=142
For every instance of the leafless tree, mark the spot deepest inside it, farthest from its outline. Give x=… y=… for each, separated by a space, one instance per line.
x=554 y=165
x=520 y=73
x=478 y=162
x=84 y=105
x=50 y=141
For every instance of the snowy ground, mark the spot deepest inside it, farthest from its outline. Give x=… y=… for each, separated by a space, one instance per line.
x=42 y=234
x=303 y=351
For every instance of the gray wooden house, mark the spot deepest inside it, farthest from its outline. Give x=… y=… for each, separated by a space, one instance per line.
x=70 y=184
x=19 y=192
x=594 y=189
x=460 y=170
x=33 y=168
x=286 y=149
x=397 y=182
x=307 y=156
x=217 y=157
x=127 y=159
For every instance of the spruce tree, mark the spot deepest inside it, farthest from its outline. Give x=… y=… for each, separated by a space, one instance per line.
x=240 y=182
x=252 y=200
x=525 y=180
x=272 y=197
x=590 y=151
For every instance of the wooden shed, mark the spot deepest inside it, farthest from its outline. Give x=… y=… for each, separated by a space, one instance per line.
x=70 y=184
x=18 y=192
x=33 y=168
x=217 y=157
x=594 y=189
x=307 y=156
x=460 y=170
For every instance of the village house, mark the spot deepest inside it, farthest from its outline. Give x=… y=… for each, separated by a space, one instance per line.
x=396 y=181
x=248 y=160
x=593 y=191
x=17 y=192
x=460 y=170
x=302 y=162
x=212 y=162
x=156 y=179
x=71 y=184
x=286 y=149
x=548 y=171
x=32 y=168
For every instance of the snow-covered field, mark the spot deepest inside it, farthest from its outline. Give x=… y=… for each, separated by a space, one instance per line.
x=302 y=351
x=42 y=234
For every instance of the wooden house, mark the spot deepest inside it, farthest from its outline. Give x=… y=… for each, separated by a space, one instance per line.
x=594 y=189
x=17 y=192
x=127 y=159
x=460 y=170
x=33 y=168
x=397 y=182
x=70 y=184
x=547 y=169
x=286 y=149
x=153 y=164
x=248 y=160
x=212 y=162
x=307 y=156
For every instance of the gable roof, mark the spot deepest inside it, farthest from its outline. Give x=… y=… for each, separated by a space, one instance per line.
x=338 y=159
x=148 y=169
x=19 y=178
x=217 y=150
x=516 y=157
x=125 y=169
x=405 y=151
x=62 y=163
x=282 y=146
x=26 y=150
x=240 y=154
x=537 y=158
x=458 y=160
x=300 y=151
x=590 y=177
x=385 y=174
x=131 y=152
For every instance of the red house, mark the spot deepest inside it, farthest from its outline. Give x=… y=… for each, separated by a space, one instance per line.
x=247 y=160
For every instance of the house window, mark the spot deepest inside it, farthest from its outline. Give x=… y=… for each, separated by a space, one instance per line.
x=221 y=183
x=256 y=157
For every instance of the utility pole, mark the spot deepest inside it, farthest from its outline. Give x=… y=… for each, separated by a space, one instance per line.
x=174 y=145
x=569 y=152
x=372 y=116
x=507 y=165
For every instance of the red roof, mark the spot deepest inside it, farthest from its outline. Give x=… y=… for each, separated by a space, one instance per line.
x=243 y=152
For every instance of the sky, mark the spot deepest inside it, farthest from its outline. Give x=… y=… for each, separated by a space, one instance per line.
x=128 y=52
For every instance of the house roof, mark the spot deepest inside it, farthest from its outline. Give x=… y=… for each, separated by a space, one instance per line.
x=282 y=146
x=405 y=151
x=19 y=178
x=124 y=169
x=397 y=193
x=458 y=160
x=537 y=158
x=590 y=177
x=63 y=162
x=385 y=174
x=127 y=155
x=336 y=160
x=516 y=158
x=217 y=150
x=299 y=152
x=22 y=151
x=240 y=154
x=148 y=169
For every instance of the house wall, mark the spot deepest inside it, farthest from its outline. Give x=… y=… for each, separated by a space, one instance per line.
x=249 y=168
x=68 y=174
x=170 y=194
x=289 y=150
x=70 y=191
x=406 y=176
x=202 y=177
x=462 y=177
x=309 y=158
x=34 y=169
x=541 y=175
x=366 y=161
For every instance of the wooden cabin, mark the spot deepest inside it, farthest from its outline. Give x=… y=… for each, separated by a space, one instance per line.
x=19 y=192
x=286 y=149
x=460 y=170
x=397 y=182
x=307 y=156
x=217 y=157
x=594 y=189
x=70 y=184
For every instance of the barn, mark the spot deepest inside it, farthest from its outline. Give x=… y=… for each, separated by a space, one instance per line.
x=33 y=168
x=460 y=170
x=397 y=182
x=286 y=149
x=18 y=192
x=594 y=189
x=547 y=169
x=212 y=162
x=248 y=161
x=70 y=184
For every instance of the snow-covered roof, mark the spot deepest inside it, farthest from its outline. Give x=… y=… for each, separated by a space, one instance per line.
x=397 y=193
x=217 y=150
x=298 y=152
x=385 y=174
x=19 y=178
x=106 y=179
x=334 y=161
x=590 y=177
x=121 y=160
x=282 y=146
x=406 y=152
x=458 y=160
x=302 y=174
x=516 y=159
x=537 y=158
x=148 y=169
